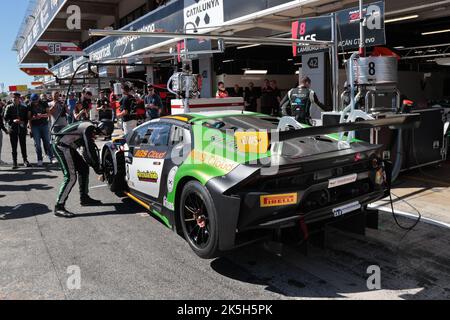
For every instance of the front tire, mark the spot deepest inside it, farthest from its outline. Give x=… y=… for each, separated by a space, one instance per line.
x=115 y=181
x=198 y=217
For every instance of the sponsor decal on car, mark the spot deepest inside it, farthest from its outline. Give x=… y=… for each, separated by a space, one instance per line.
x=333 y=183
x=148 y=176
x=278 y=200
x=252 y=142
x=169 y=205
x=212 y=160
x=149 y=154
x=171 y=179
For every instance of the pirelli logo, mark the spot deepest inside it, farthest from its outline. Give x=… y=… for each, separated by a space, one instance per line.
x=278 y=200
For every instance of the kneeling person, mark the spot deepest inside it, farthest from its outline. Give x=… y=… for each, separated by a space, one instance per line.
x=76 y=151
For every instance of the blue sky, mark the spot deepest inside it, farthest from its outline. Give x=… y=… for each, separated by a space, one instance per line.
x=11 y=17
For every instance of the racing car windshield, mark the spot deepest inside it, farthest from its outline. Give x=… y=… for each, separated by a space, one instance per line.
x=242 y=123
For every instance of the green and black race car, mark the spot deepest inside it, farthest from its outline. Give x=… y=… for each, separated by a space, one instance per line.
x=218 y=177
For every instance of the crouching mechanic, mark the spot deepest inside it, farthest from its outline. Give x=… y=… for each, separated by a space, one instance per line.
x=76 y=151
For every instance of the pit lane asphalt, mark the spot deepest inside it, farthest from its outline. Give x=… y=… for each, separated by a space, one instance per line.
x=125 y=254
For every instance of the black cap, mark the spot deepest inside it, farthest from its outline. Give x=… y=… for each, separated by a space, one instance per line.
x=17 y=94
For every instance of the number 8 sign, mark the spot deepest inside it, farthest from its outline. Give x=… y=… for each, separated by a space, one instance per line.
x=54 y=48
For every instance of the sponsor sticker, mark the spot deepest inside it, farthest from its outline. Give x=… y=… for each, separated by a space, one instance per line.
x=338 y=212
x=278 y=200
x=252 y=142
x=171 y=179
x=149 y=154
x=148 y=176
x=214 y=161
x=333 y=183
x=169 y=205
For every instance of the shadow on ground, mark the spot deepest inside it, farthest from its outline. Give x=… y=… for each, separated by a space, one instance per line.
x=414 y=265
x=23 y=211
x=26 y=175
x=28 y=187
x=126 y=207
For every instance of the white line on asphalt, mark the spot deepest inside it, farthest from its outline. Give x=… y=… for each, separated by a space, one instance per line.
x=98 y=187
x=413 y=216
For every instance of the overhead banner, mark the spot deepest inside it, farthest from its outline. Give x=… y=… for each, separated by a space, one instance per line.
x=60 y=48
x=36 y=71
x=168 y=18
x=18 y=88
x=47 y=12
x=202 y=14
x=320 y=28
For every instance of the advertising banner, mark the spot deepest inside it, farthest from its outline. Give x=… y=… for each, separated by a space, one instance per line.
x=201 y=14
x=36 y=71
x=168 y=18
x=18 y=88
x=60 y=48
x=320 y=28
x=48 y=10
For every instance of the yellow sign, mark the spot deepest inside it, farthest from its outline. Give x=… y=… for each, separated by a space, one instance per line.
x=148 y=176
x=252 y=142
x=278 y=200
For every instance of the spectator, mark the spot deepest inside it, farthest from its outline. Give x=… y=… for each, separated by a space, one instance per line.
x=251 y=98
x=84 y=106
x=71 y=103
x=105 y=114
x=38 y=116
x=153 y=103
x=16 y=117
x=127 y=106
x=276 y=98
x=221 y=91
x=113 y=100
x=266 y=98
x=58 y=113
x=2 y=129
x=237 y=91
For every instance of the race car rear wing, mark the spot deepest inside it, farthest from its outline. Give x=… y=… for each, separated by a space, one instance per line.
x=260 y=142
x=393 y=122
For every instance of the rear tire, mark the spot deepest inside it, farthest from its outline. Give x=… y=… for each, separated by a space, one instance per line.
x=115 y=181
x=198 y=218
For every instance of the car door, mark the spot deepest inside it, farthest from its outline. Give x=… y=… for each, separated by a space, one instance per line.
x=150 y=148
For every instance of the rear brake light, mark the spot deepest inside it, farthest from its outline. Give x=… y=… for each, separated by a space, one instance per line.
x=358 y=157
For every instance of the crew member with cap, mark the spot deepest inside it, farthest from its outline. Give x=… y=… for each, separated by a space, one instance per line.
x=297 y=103
x=16 y=117
x=38 y=117
x=153 y=103
x=76 y=151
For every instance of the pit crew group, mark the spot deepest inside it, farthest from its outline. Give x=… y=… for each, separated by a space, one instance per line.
x=40 y=116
